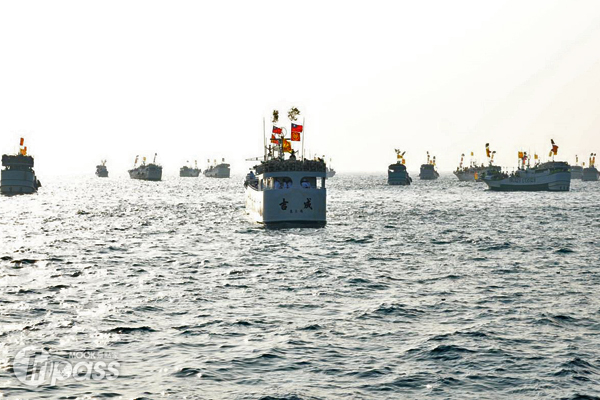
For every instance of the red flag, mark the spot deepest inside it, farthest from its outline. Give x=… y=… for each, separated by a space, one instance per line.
x=277 y=130
x=295 y=136
x=274 y=139
x=22 y=141
x=296 y=128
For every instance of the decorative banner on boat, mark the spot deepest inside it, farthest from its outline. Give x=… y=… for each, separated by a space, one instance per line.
x=554 y=148
x=287 y=146
x=295 y=136
x=274 y=139
x=277 y=130
x=22 y=142
x=25 y=150
x=520 y=154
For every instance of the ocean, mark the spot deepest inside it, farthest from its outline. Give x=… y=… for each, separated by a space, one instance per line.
x=438 y=290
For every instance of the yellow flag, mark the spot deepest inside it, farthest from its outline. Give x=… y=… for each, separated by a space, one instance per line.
x=472 y=154
x=535 y=156
x=287 y=146
x=520 y=154
x=550 y=154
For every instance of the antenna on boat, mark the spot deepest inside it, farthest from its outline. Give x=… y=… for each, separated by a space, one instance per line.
x=154 y=160
x=264 y=140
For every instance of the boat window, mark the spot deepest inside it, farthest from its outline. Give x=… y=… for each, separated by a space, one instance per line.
x=311 y=182
x=282 y=182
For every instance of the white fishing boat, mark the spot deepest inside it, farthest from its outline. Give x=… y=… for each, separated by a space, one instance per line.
x=552 y=176
x=283 y=191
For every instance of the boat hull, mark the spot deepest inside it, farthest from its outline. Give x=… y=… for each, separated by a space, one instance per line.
x=558 y=182
x=465 y=176
x=18 y=182
x=290 y=207
x=189 y=173
x=102 y=174
x=398 y=178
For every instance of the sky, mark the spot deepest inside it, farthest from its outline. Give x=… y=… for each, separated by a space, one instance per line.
x=192 y=80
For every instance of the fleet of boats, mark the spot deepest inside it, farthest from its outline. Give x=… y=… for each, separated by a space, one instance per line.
x=285 y=189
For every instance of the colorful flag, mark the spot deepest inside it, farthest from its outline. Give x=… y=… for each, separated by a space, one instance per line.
x=22 y=141
x=520 y=154
x=287 y=146
x=295 y=136
x=274 y=139
x=487 y=149
x=296 y=128
x=277 y=130
x=554 y=147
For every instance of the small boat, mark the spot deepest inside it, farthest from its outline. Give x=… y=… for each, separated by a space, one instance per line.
x=146 y=172
x=18 y=176
x=189 y=172
x=397 y=173
x=221 y=170
x=576 y=170
x=428 y=171
x=590 y=173
x=101 y=170
x=474 y=172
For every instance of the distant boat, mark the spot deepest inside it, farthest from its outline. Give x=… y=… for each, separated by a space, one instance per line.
x=552 y=176
x=18 y=176
x=101 y=170
x=590 y=173
x=221 y=170
x=428 y=171
x=576 y=170
x=474 y=172
x=189 y=172
x=397 y=173
x=330 y=170
x=146 y=172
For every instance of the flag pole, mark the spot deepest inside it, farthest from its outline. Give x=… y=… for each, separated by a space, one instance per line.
x=303 y=134
x=264 y=141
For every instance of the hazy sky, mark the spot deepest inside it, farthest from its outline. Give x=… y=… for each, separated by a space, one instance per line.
x=83 y=81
